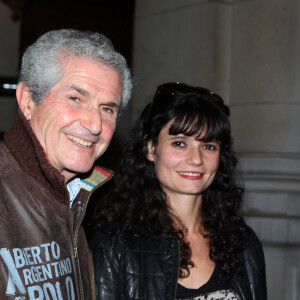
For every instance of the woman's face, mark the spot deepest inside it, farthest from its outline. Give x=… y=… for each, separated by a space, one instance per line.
x=183 y=164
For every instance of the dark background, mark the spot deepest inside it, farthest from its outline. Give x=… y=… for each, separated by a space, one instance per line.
x=113 y=18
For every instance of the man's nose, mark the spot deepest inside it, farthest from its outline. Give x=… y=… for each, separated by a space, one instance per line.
x=92 y=120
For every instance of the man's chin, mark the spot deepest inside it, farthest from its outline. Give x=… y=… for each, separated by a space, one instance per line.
x=72 y=172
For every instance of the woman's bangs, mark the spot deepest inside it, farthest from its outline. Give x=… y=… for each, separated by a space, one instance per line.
x=206 y=128
x=213 y=131
x=187 y=124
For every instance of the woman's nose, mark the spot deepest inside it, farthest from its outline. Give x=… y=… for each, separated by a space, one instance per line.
x=195 y=156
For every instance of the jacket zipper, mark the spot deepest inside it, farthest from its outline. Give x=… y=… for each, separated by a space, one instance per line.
x=75 y=253
x=84 y=209
x=75 y=236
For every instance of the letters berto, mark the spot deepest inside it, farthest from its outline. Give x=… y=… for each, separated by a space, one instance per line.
x=36 y=272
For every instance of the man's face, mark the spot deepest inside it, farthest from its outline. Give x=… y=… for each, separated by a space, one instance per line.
x=77 y=119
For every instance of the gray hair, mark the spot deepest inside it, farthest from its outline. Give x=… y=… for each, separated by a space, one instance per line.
x=42 y=66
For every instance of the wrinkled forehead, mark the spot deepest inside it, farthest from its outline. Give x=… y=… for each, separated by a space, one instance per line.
x=90 y=76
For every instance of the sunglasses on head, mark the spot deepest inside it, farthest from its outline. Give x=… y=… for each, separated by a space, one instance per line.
x=171 y=88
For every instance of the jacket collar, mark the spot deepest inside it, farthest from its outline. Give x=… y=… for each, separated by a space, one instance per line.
x=28 y=152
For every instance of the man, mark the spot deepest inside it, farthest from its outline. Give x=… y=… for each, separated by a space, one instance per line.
x=71 y=88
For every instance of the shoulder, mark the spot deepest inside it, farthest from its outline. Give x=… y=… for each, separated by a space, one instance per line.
x=116 y=250
x=252 y=282
x=5 y=166
x=254 y=249
x=119 y=248
x=103 y=241
x=119 y=258
x=125 y=265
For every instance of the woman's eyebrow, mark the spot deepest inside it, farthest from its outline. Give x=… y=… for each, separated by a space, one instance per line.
x=178 y=136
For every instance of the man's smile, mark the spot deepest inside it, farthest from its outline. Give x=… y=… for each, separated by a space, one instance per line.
x=80 y=141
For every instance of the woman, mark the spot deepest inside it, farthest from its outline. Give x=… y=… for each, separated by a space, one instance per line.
x=171 y=228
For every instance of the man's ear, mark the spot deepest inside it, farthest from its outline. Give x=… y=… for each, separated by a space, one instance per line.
x=151 y=151
x=25 y=102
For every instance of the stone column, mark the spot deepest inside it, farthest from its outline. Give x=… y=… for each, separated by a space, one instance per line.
x=247 y=51
x=265 y=104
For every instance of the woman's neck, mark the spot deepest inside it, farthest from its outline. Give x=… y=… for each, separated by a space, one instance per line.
x=187 y=209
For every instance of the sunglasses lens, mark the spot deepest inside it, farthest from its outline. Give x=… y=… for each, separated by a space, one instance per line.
x=170 y=89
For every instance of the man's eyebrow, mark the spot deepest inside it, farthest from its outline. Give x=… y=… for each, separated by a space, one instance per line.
x=111 y=103
x=80 y=90
x=84 y=92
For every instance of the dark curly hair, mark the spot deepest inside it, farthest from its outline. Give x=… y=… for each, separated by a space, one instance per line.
x=137 y=203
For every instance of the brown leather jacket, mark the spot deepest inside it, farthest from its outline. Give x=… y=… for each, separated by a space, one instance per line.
x=43 y=249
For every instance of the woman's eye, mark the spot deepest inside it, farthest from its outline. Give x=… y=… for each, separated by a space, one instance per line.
x=75 y=99
x=178 y=144
x=210 y=147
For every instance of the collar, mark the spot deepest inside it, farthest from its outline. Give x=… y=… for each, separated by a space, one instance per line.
x=73 y=187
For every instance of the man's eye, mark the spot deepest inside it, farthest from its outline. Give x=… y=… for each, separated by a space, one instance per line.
x=75 y=99
x=108 y=109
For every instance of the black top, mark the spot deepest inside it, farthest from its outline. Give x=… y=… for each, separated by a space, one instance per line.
x=215 y=288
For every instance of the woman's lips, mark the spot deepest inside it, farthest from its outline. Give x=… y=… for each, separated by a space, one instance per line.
x=190 y=175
